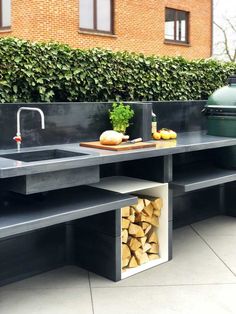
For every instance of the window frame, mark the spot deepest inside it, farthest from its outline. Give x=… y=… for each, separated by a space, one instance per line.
x=3 y=27
x=95 y=29
x=187 y=27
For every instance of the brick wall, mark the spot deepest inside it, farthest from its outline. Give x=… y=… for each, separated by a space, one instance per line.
x=139 y=25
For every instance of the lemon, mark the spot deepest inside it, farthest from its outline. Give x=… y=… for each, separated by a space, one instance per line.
x=165 y=135
x=173 y=135
x=156 y=135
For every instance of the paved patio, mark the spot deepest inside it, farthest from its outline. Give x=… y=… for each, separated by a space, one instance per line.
x=200 y=279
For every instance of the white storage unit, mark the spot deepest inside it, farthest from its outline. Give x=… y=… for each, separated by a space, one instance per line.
x=148 y=188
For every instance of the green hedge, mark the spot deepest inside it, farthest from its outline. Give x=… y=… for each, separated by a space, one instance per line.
x=54 y=72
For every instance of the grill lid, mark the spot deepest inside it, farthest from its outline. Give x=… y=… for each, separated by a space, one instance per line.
x=223 y=101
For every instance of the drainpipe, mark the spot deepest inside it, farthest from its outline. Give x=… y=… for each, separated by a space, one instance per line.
x=212 y=28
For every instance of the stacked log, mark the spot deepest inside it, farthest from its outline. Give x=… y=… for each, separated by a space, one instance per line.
x=140 y=242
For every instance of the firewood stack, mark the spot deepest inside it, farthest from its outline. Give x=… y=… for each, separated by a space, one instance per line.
x=139 y=232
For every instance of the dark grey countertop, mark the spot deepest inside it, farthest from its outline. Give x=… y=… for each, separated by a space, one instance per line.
x=186 y=142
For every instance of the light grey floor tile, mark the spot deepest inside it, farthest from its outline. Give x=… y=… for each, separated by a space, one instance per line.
x=48 y=301
x=193 y=263
x=216 y=226
x=218 y=299
x=225 y=248
x=62 y=278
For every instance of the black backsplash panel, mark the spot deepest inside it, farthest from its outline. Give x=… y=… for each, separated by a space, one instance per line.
x=67 y=123
x=75 y=122
x=181 y=116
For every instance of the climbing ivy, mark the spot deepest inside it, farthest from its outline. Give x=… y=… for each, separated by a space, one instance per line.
x=40 y=72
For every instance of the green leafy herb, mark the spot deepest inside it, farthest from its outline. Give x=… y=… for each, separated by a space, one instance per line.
x=120 y=116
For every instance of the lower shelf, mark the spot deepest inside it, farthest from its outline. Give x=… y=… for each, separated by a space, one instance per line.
x=20 y=214
x=136 y=270
x=199 y=176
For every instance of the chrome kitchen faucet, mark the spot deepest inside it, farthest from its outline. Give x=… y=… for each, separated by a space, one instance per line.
x=18 y=137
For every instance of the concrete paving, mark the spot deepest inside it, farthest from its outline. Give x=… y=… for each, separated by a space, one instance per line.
x=201 y=278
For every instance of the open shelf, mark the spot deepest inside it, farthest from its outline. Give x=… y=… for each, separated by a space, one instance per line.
x=148 y=188
x=20 y=214
x=121 y=184
x=199 y=176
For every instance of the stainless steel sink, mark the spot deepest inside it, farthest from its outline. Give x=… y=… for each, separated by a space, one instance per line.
x=42 y=155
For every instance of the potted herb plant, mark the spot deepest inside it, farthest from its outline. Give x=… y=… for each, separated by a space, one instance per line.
x=120 y=116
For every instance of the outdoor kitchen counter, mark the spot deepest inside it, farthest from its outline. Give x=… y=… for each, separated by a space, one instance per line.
x=81 y=225
x=186 y=142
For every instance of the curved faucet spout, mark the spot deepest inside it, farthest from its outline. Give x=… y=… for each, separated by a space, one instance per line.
x=29 y=109
x=18 y=138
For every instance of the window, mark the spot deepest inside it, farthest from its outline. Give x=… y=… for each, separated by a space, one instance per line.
x=96 y=15
x=5 y=14
x=176 y=26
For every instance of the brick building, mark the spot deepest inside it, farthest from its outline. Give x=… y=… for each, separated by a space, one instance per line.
x=161 y=27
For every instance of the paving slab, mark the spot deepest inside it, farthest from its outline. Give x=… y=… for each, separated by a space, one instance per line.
x=194 y=299
x=193 y=263
x=46 y=301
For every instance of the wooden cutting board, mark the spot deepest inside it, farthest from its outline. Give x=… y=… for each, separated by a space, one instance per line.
x=120 y=147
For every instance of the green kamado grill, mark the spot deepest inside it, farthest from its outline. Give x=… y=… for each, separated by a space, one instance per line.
x=221 y=119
